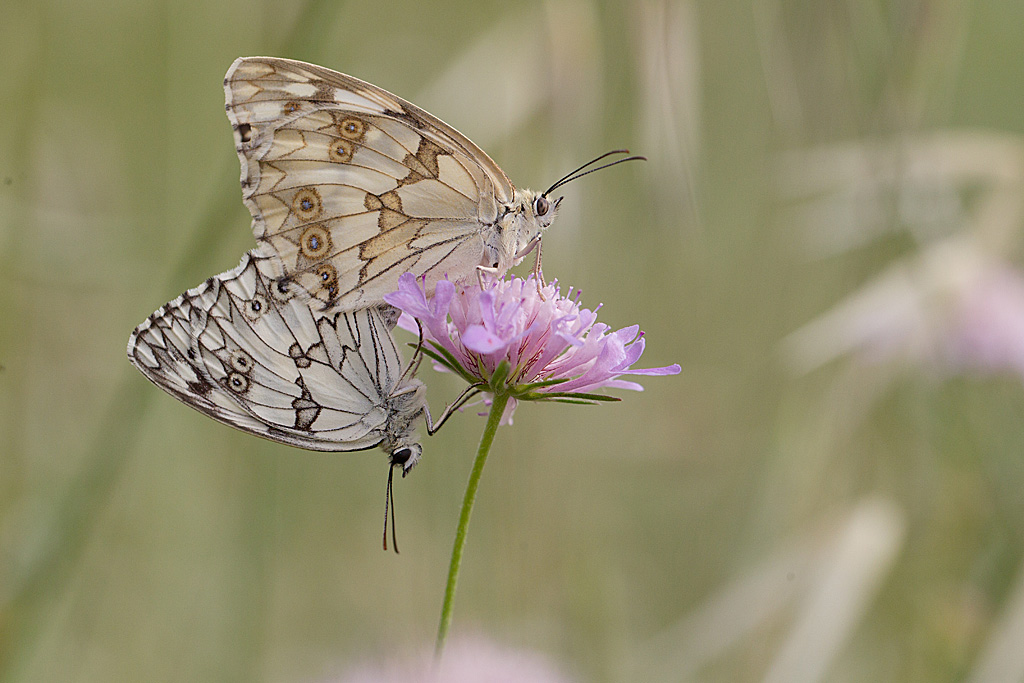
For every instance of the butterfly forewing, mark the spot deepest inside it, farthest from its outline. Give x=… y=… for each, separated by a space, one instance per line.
x=350 y=186
x=242 y=353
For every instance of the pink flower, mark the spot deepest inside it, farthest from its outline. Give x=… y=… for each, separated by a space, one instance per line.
x=508 y=337
x=467 y=660
x=987 y=331
x=952 y=309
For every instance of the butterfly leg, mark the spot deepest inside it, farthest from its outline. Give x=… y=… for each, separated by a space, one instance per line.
x=538 y=274
x=533 y=245
x=432 y=427
x=481 y=271
x=530 y=246
x=417 y=357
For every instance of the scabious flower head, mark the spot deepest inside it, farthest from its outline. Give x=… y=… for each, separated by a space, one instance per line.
x=471 y=659
x=987 y=330
x=949 y=310
x=532 y=343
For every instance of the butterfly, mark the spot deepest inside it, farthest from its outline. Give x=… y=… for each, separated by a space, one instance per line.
x=237 y=350
x=350 y=186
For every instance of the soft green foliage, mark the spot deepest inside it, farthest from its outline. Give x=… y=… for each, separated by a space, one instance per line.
x=754 y=510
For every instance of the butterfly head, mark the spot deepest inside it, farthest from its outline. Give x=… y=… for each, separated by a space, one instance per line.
x=406 y=455
x=536 y=212
x=518 y=230
x=530 y=213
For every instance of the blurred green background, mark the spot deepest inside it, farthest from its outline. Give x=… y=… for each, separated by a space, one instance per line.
x=827 y=491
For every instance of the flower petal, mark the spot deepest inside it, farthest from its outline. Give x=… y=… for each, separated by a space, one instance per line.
x=673 y=369
x=410 y=297
x=478 y=338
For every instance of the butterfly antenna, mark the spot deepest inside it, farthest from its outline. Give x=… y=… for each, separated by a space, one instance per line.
x=389 y=504
x=573 y=175
x=563 y=179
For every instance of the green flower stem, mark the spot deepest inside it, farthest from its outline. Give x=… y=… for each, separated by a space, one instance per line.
x=493 y=419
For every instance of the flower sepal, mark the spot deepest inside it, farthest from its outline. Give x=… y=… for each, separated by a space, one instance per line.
x=563 y=397
x=497 y=382
x=444 y=358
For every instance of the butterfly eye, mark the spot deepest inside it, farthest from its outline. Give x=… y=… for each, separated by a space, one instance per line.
x=541 y=205
x=406 y=457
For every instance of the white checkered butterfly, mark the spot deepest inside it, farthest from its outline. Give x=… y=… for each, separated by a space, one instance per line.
x=238 y=350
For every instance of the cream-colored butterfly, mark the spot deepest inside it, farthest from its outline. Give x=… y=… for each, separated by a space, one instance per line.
x=350 y=186
x=235 y=349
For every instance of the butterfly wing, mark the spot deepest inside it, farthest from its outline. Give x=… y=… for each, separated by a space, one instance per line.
x=161 y=348
x=350 y=186
x=236 y=350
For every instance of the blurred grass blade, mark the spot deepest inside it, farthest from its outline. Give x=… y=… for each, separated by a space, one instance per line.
x=76 y=512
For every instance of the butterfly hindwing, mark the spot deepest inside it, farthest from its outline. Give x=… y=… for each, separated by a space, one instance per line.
x=246 y=355
x=162 y=349
x=350 y=186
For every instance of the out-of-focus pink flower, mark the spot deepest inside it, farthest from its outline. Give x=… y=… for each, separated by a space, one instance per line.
x=467 y=660
x=952 y=309
x=533 y=344
x=988 y=324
